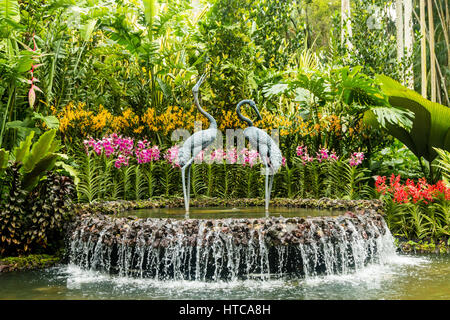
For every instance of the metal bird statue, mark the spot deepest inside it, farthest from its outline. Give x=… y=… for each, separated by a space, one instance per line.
x=267 y=148
x=195 y=144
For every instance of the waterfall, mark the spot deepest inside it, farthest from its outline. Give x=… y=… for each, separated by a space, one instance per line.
x=229 y=249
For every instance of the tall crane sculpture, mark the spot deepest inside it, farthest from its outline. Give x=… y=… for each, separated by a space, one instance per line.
x=267 y=148
x=199 y=141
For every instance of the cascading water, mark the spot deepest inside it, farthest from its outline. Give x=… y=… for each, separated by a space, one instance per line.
x=230 y=249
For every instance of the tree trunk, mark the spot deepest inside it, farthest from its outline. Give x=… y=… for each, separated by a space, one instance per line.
x=399 y=27
x=444 y=21
x=423 y=47
x=346 y=27
x=409 y=39
x=432 y=54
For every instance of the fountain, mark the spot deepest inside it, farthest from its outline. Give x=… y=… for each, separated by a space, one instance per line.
x=230 y=248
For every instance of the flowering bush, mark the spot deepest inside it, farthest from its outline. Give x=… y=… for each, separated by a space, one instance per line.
x=356 y=158
x=122 y=149
x=416 y=210
x=410 y=191
x=327 y=175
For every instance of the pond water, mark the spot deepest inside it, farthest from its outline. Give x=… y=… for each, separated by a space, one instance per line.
x=224 y=213
x=403 y=277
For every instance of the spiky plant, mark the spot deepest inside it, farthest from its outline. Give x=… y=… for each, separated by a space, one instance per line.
x=12 y=213
x=48 y=210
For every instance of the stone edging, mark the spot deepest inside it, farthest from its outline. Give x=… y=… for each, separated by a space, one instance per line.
x=112 y=207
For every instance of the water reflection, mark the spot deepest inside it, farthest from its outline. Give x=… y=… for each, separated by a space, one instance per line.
x=224 y=213
x=404 y=277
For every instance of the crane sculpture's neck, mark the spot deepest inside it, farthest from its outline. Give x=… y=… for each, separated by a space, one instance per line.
x=212 y=121
x=238 y=111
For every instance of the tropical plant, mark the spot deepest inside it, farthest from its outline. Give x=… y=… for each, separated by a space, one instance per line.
x=431 y=125
x=33 y=199
x=444 y=163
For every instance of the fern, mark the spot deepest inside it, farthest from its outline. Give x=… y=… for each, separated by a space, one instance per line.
x=106 y=176
x=418 y=221
x=117 y=185
x=126 y=175
x=442 y=215
x=89 y=186
x=168 y=177
x=149 y=175
x=139 y=183
x=197 y=180
x=210 y=190
x=395 y=218
x=348 y=182
x=444 y=163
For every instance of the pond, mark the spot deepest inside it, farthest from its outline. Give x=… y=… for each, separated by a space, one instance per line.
x=403 y=277
x=224 y=213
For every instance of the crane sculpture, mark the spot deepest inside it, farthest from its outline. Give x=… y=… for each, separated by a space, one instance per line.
x=195 y=144
x=268 y=150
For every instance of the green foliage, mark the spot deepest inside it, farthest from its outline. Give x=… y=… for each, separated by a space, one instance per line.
x=36 y=158
x=373 y=40
x=418 y=220
x=431 y=124
x=396 y=159
x=444 y=163
x=4 y=156
x=29 y=262
x=13 y=208
x=90 y=178
x=30 y=220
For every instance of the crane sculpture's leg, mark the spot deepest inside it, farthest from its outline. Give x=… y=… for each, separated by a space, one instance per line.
x=267 y=193
x=189 y=182
x=266 y=187
x=272 y=176
x=186 y=191
x=183 y=181
x=264 y=159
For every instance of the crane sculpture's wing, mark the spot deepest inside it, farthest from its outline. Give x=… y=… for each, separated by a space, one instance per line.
x=195 y=144
x=267 y=148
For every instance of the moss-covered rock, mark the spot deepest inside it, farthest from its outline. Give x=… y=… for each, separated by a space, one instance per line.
x=423 y=246
x=29 y=262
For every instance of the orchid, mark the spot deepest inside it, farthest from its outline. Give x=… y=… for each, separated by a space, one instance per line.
x=122 y=149
x=356 y=159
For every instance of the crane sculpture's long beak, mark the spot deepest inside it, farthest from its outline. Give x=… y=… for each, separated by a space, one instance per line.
x=256 y=110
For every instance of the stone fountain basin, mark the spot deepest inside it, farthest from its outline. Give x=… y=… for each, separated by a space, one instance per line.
x=119 y=221
x=199 y=249
x=162 y=232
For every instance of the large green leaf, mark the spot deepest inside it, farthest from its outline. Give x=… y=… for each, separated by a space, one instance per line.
x=87 y=29
x=149 y=10
x=4 y=156
x=51 y=122
x=70 y=169
x=31 y=178
x=39 y=150
x=24 y=148
x=431 y=123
